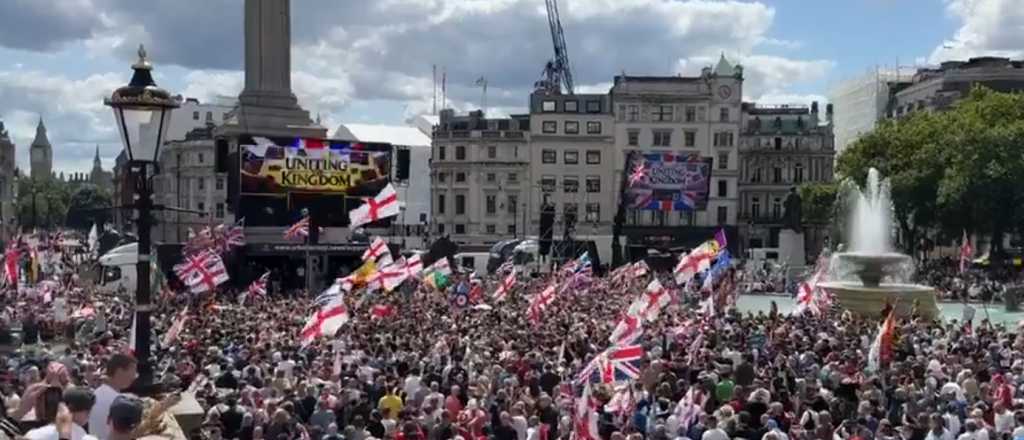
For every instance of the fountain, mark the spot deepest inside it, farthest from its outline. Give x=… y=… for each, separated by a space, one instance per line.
x=869 y=273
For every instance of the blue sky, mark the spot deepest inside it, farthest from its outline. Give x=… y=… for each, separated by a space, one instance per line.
x=371 y=61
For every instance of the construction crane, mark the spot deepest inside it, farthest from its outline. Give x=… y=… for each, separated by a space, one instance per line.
x=557 y=72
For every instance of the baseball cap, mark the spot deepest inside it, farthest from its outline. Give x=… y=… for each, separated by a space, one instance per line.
x=125 y=413
x=79 y=399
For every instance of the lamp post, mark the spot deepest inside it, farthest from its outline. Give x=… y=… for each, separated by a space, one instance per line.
x=143 y=113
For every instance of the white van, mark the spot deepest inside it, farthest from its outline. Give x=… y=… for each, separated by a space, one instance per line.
x=472 y=261
x=117 y=269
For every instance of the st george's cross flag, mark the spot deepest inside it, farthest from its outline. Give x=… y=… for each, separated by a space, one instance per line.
x=325 y=322
x=627 y=331
x=176 y=328
x=202 y=272
x=698 y=260
x=383 y=205
x=378 y=248
x=539 y=302
x=650 y=303
x=584 y=418
x=506 y=286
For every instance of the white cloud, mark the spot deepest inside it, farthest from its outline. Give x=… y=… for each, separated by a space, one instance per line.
x=987 y=27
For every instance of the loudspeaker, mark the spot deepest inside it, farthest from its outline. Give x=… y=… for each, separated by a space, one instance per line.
x=402 y=164
x=221 y=155
x=547 y=228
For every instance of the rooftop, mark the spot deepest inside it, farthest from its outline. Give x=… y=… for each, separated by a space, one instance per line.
x=390 y=134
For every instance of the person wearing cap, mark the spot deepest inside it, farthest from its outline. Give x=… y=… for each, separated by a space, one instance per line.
x=124 y=416
x=79 y=401
x=120 y=373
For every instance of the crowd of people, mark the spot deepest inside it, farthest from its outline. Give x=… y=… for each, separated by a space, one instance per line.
x=414 y=365
x=974 y=284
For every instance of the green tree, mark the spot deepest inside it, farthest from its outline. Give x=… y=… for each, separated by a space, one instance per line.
x=89 y=204
x=950 y=171
x=42 y=203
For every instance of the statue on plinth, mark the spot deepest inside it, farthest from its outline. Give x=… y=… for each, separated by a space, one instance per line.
x=791 y=218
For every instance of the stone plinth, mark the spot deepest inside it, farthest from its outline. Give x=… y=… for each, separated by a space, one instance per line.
x=791 y=248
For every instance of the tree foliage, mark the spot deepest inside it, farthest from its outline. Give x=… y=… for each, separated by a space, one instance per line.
x=89 y=204
x=950 y=171
x=42 y=203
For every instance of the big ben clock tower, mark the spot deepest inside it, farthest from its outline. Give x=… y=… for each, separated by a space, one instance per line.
x=41 y=154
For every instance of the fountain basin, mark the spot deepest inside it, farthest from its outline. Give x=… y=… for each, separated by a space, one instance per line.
x=869 y=301
x=870 y=267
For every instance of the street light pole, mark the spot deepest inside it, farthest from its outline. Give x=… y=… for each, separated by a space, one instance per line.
x=143 y=113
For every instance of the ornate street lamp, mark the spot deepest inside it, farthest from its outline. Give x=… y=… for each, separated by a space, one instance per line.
x=143 y=113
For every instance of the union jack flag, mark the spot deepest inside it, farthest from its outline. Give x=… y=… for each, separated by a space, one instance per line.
x=638 y=174
x=616 y=364
x=259 y=287
x=299 y=230
x=235 y=236
x=202 y=272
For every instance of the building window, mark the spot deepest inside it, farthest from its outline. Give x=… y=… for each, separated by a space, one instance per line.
x=512 y=204
x=549 y=127
x=511 y=229
x=202 y=158
x=440 y=228
x=548 y=156
x=723 y=188
x=440 y=203
x=460 y=204
x=570 y=184
x=593 y=212
x=723 y=161
x=572 y=127
x=593 y=157
x=491 y=204
x=663 y=113
x=460 y=228
x=513 y=177
x=798 y=173
x=757 y=175
x=220 y=210
x=572 y=106
x=723 y=215
x=548 y=106
x=202 y=183
x=460 y=177
x=633 y=137
x=662 y=138
x=755 y=207
x=195 y=116
x=691 y=113
x=201 y=207
x=593 y=127
x=593 y=184
x=593 y=106
x=777 y=208
x=571 y=157
x=209 y=116
x=460 y=153
x=491 y=229
x=723 y=139
x=778 y=144
x=220 y=183
x=777 y=175
x=723 y=114
x=690 y=139
x=442 y=177
x=440 y=153
x=491 y=177
x=492 y=152
x=547 y=183
x=634 y=113
x=570 y=212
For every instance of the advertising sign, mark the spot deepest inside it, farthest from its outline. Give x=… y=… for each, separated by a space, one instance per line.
x=283 y=165
x=667 y=181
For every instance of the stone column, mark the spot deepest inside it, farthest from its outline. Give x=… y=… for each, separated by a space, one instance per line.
x=268 y=54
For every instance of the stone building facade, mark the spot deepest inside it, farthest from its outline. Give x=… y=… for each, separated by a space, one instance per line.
x=939 y=88
x=781 y=147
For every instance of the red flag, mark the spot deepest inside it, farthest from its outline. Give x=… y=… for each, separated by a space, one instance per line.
x=881 y=350
x=382 y=311
x=966 y=251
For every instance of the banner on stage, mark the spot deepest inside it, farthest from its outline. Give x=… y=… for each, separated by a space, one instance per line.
x=664 y=181
x=282 y=165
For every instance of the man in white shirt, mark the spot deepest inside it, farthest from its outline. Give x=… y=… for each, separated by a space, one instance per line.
x=79 y=402
x=121 y=372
